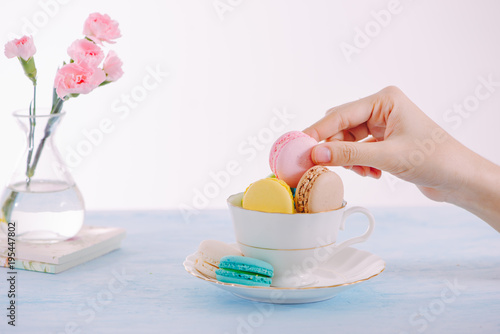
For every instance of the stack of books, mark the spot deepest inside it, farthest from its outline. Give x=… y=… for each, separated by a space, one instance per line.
x=90 y=243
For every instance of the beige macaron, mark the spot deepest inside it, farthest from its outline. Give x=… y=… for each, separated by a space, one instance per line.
x=209 y=254
x=319 y=190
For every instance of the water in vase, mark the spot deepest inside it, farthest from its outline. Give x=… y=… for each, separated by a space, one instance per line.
x=44 y=211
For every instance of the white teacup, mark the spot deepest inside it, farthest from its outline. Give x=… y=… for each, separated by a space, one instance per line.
x=293 y=243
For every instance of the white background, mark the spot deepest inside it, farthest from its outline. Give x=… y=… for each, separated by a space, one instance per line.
x=229 y=73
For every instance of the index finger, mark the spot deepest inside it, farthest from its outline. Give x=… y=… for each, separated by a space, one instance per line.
x=343 y=117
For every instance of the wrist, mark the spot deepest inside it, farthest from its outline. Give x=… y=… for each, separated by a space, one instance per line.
x=479 y=191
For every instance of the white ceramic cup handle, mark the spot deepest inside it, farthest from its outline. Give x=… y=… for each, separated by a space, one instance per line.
x=364 y=236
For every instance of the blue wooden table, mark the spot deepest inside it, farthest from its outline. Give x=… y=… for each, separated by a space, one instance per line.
x=442 y=276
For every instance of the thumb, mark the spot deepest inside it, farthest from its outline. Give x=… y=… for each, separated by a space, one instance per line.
x=342 y=153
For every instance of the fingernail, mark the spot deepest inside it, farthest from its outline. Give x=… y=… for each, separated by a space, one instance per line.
x=322 y=155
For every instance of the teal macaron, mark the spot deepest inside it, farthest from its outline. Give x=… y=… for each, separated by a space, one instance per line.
x=244 y=270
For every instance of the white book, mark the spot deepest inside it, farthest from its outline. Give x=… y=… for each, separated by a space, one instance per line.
x=90 y=243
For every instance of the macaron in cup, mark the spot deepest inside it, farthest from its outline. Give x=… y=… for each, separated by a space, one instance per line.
x=290 y=156
x=269 y=195
x=319 y=190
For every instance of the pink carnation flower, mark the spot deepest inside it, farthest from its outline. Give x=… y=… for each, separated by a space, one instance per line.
x=83 y=50
x=112 y=66
x=22 y=47
x=101 y=28
x=77 y=78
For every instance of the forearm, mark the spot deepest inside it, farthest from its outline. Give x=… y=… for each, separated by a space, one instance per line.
x=480 y=193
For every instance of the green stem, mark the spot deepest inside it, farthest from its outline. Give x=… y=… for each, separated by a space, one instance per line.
x=30 y=71
x=34 y=102
x=31 y=138
x=8 y=205
x=56 y=109
x=31 y=170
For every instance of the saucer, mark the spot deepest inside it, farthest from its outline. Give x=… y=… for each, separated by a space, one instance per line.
x=344 y=270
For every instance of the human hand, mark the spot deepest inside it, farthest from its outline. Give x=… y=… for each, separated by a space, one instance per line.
x=386 y=131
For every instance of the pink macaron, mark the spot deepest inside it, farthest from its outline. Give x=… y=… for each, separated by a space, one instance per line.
x=290 y=156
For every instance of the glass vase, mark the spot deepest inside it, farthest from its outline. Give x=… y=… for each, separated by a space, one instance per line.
x=41 y=198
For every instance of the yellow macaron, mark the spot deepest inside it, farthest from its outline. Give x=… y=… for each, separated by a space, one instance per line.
x=269 y=195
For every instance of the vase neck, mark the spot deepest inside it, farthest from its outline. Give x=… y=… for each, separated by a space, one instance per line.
x=41 y=162
x=39 y=126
